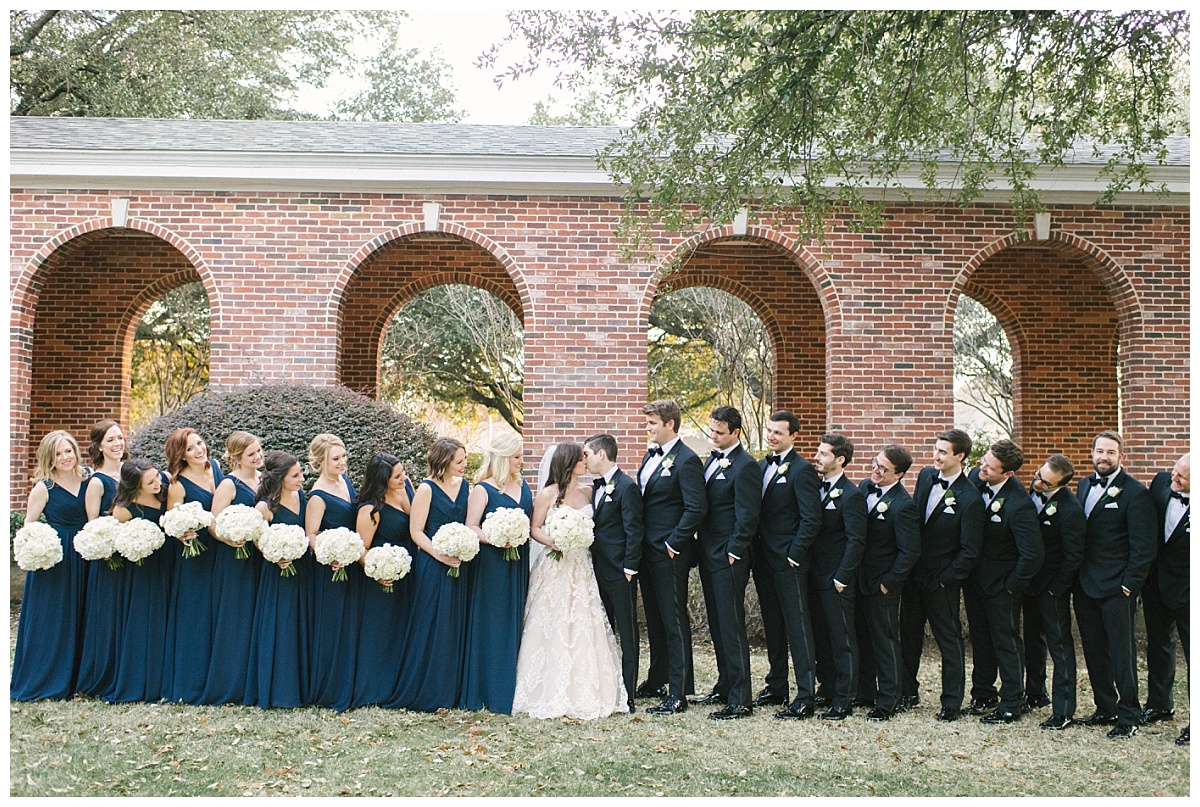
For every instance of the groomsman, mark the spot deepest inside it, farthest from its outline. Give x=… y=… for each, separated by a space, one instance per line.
x=951 y=511
x=788 y=525
x=674 y=503
x=1011 y=555
x=1167 y=596
x=893 y=546
x=731 y=479
x=833 y=573
x=1047 y=606
x=1117 y=554
x=616 y=547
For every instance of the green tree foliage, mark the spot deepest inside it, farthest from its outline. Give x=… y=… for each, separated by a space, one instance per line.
x=287 y=417
x=173 y=64
x=797 y=112
x=593 y=106
x=983 y=365
x=460 y=346
x=707 y=349
x=403 y=85
x=170 y=353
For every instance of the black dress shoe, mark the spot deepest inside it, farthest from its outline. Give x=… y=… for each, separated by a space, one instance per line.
x=908 y=703
x=863 y=703
x=769 y=698
x=837 y=713
x=1154 y=715
x=1100 y=719
x=980 y=705
x=1000 y=716
x=731 y=713
x=1122 y=731
x=1185 y=736
x=798 y=710
x=821 y=701
x=669 y=706
x=1031 y=702
x=711 y=699
x=644 y=690
x=1056 y=722
x=878 y=715
x=948 y=714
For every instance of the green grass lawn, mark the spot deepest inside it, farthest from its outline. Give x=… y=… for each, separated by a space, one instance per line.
x=85 y=747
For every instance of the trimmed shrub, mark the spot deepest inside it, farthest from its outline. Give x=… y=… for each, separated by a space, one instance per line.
x=286 y=417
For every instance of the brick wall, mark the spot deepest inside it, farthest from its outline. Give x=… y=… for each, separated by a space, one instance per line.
x=301 y=286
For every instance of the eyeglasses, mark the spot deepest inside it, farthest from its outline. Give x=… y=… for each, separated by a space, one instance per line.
x=887 y=469
x=1037 y=477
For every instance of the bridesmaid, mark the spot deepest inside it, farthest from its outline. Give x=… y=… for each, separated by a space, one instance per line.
x=496 y=598
x=338 y=604
x=142 y=493
x=190 y=617
x=46 y=663
x=431 y=668
x=107 y=589
x=278 y=673
x=235 y=580
x=383 y=503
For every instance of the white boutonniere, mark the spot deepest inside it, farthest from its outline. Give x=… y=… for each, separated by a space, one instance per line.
x=997 y=504
x=724 y=463
x=610 y=487
x=949 y=499
x=836 y=492
x=1051 y=508
x=668 y=462
x=1112 y=492
x=881 y=507
x=783 y=468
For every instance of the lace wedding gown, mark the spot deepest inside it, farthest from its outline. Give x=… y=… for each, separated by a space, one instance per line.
x=568 y=664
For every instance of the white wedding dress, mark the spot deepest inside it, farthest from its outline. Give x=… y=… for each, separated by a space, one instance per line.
x=568 y=665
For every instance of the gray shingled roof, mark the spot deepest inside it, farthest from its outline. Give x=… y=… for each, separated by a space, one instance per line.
x=325 y=137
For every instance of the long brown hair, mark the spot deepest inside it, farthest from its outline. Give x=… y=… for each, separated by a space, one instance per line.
x=176 y=449
x=566 y=457
x=275 y=468
x=96 y=437
x=130 y=484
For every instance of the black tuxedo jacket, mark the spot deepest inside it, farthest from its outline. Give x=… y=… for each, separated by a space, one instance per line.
x=1063 y=529
x=1119 y=547
x=1011 y=552
x=674 y=502
x=842 y=538
x=791 y=504
x=1172 y=566
x=951 y=538
x=734 y=503
x=893 y=541
x=618 y=534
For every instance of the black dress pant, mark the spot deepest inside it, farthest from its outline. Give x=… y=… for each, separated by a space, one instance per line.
x=774 y=632
x=983 y=656
x=620 y=603
x=836 y=643
x=667 y=626
x=725 y=604
x=880 y=665
x=1000 y=615
x=1106 y=630
x=1162 y=623
x=940 y=607
x=1047 y=626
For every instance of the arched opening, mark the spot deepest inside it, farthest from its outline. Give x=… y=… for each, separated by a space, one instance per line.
x=983 y=372
x=170 y=353
x=1064 y=327
x=89 y=296
x=443 y=313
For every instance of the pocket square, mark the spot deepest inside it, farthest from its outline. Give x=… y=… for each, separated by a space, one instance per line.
x=1047 y=523
x=996 y=519
x=666 y=472
x=831 y=506
x=880 y=517
x=720 y=476
x=781 y=480
x=1110 y=506
x=949 y=510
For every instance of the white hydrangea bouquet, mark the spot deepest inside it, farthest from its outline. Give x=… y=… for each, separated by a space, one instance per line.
x=387 y=563
x=138 y=539
x=507 y=527
x=97 y=540
x=457 y=541
x=241 y=524
x=569 y=529
x=280 y=542
x=345 y=546
x=36 y=547
x=183 y=518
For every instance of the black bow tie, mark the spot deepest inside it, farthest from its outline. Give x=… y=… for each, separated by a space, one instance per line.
x=773 y=459
x=1097 y=479
x=598 y=482
x=825 y=486
x=717 y=455
x=874 y=490
x=1041 y=498
x=655 y=452
x=1177 y=495
x=987 y=491
x=943 y=483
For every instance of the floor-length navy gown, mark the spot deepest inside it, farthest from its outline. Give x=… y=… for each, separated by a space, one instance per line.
x=144 y=633
x=190 y=618
x=384 y=615
x=280 y=655
x=338 y=614
x=234 y=591
x=107 y=593
x=49 y=629
x=495 y=615
x=431 y=667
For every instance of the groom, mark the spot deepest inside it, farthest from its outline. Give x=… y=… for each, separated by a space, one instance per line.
x=616 y=547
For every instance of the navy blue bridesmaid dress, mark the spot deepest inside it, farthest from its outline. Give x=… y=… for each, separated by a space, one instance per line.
x=107 y=592
x=144 y=633
x=279 y=671
x=234 y=590
x=384 y=615
x=338 y=614
x=495 y=615
x=50 y=627
x=431 y=667
x=190 y=617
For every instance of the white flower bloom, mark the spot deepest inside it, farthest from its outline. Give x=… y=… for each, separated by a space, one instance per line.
x=387 y=562
x=339 y=544
x=456 y=541
x=185 y=517
x=881 y=507
x=37 y=546
x=569 y=529
x=835 y=493
x=280 y=542
x=507 y=527
x=1113 y=492
x=138 y=539
x=97 y=539
x=239 y=523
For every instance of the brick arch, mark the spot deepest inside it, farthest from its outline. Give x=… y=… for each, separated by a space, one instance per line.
x=396 y=270
x=1017 y=340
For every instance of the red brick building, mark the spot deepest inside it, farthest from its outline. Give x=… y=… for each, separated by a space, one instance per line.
x=309 y=236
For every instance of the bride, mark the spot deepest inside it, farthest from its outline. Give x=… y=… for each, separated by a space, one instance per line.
x=568 y=663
